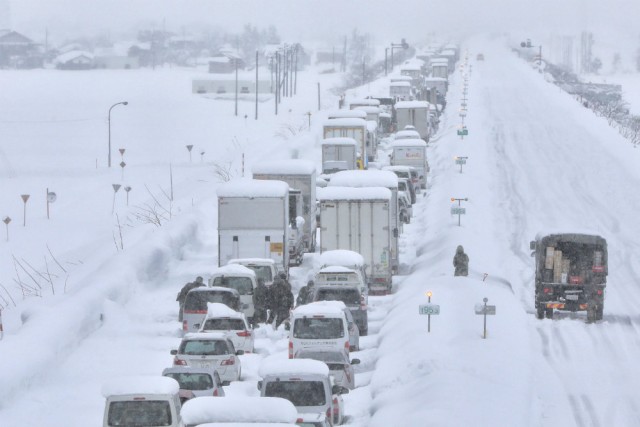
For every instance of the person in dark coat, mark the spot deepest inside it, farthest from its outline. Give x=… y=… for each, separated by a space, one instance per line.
x=305 y=293
x=281 y=301
x=260 y=302
x=461 y=262
x=182 y=295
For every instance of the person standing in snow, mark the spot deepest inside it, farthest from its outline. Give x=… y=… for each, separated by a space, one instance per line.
x=461 y=262
x=305 y=294
x=182 y=295
x=260 y=302
x=281 y=301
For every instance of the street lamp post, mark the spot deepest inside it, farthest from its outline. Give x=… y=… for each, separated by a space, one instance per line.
x=109 y=120
x=386 y=51
x=403 y=45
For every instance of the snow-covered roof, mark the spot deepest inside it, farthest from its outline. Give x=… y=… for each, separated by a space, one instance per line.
x=320 y=308
x=412 y=104
x=410 y=67
x=439 y=61
x=140 y=385
x=398 y=79
x=204 y=336
x=339 y=141
x=385 y=115
x=345 y=122
x=259 y=261
x=285 y=367
x=336 y=269
x=400 y=84
x=404 y=134
x=253 y=188
x=216 y=309
x=69 y=56
x=233 y=270
x=435 y=79
x=369 y=109
x=284 y=167
x=364 y=101
x=364 y=178
x=351 y=193
x=341 y=257
x=238 y=409
x=345 y=114
x=408 y=143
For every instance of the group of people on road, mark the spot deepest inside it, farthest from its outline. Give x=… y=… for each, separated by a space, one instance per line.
x=272 y=303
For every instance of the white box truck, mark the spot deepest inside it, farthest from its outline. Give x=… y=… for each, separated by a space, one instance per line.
x=416 y=114
x=253 y=221
x=359 y=220
x=339 y=154
x=376 y=178
x=351 y=128
x=411 y=152
x=301 y=176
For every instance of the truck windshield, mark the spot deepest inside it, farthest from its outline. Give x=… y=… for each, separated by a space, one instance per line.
x=241 y=284
x=318 y=328
x=140 y=413
x=192 y=381
x=300 y=393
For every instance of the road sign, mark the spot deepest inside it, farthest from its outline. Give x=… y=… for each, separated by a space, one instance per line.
x=457 y=210
x=461 y=161
x=463 y=132
x=485 y=309
x=430 y=309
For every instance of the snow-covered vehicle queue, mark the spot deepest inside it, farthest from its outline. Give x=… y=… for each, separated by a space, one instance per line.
x=320 y=288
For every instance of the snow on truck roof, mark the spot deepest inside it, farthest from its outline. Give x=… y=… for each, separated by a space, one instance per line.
x=412 y=104
x=408 y=143
x=351 y=193
x=336 y=269
x=364 y=101
x=435 y=79
x=140 y=385
x=351 y=122
x=400 y=84
x=339 y=141
x=342 y=114
x=369 y=109
x=400 y=78
x=558 y=231
x=284 y=367
x=284 y=167
x=408 y=132
x=209 y=409
x=216 y=309
x=253 y=188
x=341 y=257
x=233 y=269
x=261 y=261
x=364 y=178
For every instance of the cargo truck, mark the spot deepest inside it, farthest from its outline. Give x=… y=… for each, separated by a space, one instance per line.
x=411 y=152
x=376 y=178
x=570 y=273
x=359 y=220
x=416 y=114
x=253 y=221
x=338 y=154
x=301 y=176
x=351 y=128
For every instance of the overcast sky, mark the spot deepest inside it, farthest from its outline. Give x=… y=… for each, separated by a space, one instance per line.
x=387 y=20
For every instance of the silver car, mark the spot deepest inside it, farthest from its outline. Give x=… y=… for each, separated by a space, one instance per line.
x=195 y=382
x=340 y=368
x=210 y=350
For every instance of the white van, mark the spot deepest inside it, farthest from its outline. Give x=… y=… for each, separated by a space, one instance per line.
x=265 y=268
x=323 y=324
x=150 y=401
x=305 y=383
x=238 y=409
x=240 y=278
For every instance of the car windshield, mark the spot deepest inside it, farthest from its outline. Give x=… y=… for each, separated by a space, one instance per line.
x=198 y=300
x=204 y=348
x=349 y=296
x=224 y=325
x=318 y=328
x=402 y=186
x=262 y=272
x=139 y=413
x=300 y=393
x=192 y=380
x=241 y=284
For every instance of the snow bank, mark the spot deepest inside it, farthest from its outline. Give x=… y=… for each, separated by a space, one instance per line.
x=253 y=188
x=238 y=409
x=140 y=385
x=277 y=367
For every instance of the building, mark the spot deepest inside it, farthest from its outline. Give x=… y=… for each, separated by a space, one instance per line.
x=75 y=60
x=18 y=51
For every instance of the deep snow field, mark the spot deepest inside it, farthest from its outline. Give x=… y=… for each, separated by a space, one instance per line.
x=537 y=161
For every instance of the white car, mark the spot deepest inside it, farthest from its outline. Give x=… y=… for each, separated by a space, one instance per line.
x=233 y=324
x=340 y=368
x=195 y=382
x=238 y=411
x=210 y=350
x=265 y=268
x=240 y=278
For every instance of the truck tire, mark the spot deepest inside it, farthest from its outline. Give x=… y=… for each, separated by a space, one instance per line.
x=539 y=311
x=591 y=314
x=599 y=311
x=548 y=313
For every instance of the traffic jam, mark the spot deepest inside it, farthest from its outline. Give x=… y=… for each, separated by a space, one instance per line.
x=306 y=261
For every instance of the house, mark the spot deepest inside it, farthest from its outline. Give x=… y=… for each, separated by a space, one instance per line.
x=75 y=60
x=18 y=51
x=225 y=61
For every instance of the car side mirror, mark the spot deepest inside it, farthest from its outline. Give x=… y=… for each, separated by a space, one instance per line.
x=355 y=362
x=239 y=352
x=259 y=385
x=174 y=352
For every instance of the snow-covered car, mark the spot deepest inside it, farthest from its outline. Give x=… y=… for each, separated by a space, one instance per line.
x=405 y=184
x=409 y=172
x=406 y=134
x=350 y=295
x=404 y=207
x=323 y=324
x=195 y=305
x=240 y=278
x=238 y=410
x=233 y=324
x=195 y=382
x=305 y=383
x=342 y=258
x=142 y=401
x=340 y=367
x=211 y=350
x=265 y=268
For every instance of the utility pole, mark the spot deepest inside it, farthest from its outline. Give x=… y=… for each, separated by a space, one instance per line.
x=295 y=84
x=257 y=87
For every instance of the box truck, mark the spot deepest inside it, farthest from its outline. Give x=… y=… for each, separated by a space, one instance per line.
x=411 y=152
x=416 y=114
x=338 y=154
x=351 y=128
x=253 y=221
